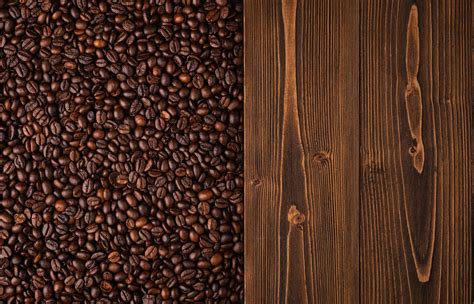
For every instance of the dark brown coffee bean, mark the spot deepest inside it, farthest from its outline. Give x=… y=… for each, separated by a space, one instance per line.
x=151 y=252
x=21 y=70
x=69 y=281
x=212 y=16
x=128 y=25
x=125 y=296
x=38 y=282
x=205 y=195
x=174 y=46
x=5 y=252
x=118 y=8
x=188 y=274
x=122 y=180
x=52 y=245
x=114 y=257
x=198 y=81
x=87 y=186
x=230 y=77
x=214 y=42
x=79 y=285
x=55 y=265
x=24 y=55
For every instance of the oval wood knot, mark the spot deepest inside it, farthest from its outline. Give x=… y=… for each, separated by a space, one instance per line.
x=256 y=182
x=295 y=217
x=321 y=159
x=413 y=97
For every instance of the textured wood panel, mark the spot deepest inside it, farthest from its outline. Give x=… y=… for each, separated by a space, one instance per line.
x=415 y=141
x=301 y=151
x=358 y=132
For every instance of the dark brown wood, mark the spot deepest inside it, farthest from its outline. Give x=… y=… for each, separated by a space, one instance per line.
x=358 y=132
x=415 y=124
x=301 y=151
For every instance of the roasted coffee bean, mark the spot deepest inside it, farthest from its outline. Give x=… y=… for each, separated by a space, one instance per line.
x=114 y=257
x=87 y=186
x=125 y=296
x=70 y=280
x=5 y=252
x=55 y=265
x=52 y=245
x=205 y=195
x=151 y=252
x=188 y=274
x=121 y=172
x=21 y=69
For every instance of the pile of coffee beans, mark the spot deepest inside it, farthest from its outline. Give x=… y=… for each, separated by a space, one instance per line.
x=121 y=151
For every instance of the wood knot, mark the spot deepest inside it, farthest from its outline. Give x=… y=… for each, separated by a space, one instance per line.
x=295 y=217
x=321 y=158
x=413 y=96
x=256 y=182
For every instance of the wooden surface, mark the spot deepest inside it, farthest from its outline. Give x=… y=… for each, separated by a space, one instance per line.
x=302 y=144
x=358 y=131
x=415 y=220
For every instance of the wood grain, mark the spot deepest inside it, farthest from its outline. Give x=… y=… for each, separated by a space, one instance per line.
x=358 y=132
x=301 y=151
x=415 y=140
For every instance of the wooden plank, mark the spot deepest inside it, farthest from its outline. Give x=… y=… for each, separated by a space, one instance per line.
x=301 y=151
x=415 y=144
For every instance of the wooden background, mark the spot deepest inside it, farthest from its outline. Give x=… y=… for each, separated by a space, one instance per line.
x=358 y=132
